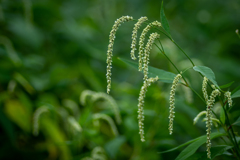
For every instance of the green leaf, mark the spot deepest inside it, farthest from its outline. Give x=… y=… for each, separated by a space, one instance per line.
x=189 y=142
x=207 y=72
x=226 y=85
x=164 y=76
x=164 y=21
x=192 y=148
x=222 y=115
x=215 y=151
x=236 y=94
x=237 y=122
x=235 y=90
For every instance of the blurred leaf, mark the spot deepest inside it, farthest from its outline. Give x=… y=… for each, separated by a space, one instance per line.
x=54 y=133
x=18 y=114
x=192 y=148
x=207 y=72
x=164 y=21
x=189 y=142
x=164 y=76
x=237 y=122
x=236 y=94
x=226 y=85
x=113 y=146
x=222 y=115
x=215 y=151
x=20 y=79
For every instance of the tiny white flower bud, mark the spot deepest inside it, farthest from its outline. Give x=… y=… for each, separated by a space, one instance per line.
x=142 y=94
x=110 y=47
x=142 y=39
x=172 y=104
x=134 y=35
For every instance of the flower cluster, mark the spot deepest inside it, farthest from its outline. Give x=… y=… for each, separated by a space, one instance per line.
x=36 y=117
x=172 y=102
x=107 y=118
x=94 y=96
x=229 y=99
x=142 y=39
x=134 y=35
x=204 y=88
x=210 y=103
x=198 y=116
x=142 y=94
x=110 y=47
x=148 y=48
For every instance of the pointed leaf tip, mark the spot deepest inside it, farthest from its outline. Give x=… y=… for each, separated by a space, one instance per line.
x=164 y=21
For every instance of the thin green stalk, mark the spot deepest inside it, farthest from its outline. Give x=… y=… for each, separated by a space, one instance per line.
x=227 y=133
x=187 y=85
x=232 y=137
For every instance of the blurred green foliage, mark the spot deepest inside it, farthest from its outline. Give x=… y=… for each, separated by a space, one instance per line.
x=51 y=51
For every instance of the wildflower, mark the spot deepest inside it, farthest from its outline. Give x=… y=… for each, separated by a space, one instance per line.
x=198 y=116
x=142 y=94
x=84 y=96
x=229 y=99
x=172 y=100
x=210 y=103
x=148 y=48
x=142 y=38
x=110 y=47
x=107 y=118
x=74 y=124
x=112 y=102
x=204 y=88
x=134 y=35
x=36 y=117
x=100 y=95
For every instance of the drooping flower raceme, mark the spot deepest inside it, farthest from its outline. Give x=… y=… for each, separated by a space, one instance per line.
x=204 y=89
x=134 y=35
x=229 y=99
x=148 y=48
x=198 y=116
x=117 y=23
x=142 y=94
x=142 y=39
x=210 y=103
x=172 y=102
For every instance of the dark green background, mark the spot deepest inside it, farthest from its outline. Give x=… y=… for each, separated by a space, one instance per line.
x=61 y=51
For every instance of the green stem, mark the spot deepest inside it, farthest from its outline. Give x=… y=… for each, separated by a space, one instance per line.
x=187 y=85
x=227 y=133
x=232 y=137
x=183 y=52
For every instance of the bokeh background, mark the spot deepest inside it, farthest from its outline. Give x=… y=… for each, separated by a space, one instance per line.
x=51 y=51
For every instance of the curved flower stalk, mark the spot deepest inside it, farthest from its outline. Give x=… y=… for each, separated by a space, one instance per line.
x=204 y=88
x=98 y=153
x=148 y=48
x=195 y=120
x=75 y=125
x=134 y=35
x=100 y=95
x=229 y=99
x=107 y=118
x=36 y=117
x=84 y=96
x=142 y=39
x=117 y=23
x=210 y=103
x=172 y=102
x=112 y=102
x=142 y=94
